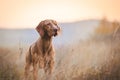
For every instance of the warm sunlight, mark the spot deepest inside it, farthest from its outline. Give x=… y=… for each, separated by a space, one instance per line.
x=81 y=42
x=27 y=14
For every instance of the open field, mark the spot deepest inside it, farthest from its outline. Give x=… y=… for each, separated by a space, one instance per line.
x=95 y=58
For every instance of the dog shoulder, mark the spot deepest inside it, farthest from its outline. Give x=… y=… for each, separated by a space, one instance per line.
x=35 y=46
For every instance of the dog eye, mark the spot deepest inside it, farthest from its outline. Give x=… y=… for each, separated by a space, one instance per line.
x=48 y=24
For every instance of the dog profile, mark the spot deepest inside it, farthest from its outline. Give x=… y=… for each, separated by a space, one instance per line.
x=41 y=53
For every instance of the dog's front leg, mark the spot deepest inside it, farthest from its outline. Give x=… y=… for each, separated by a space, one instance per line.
x=51 y=65
x=35 y=72
x=49 y=69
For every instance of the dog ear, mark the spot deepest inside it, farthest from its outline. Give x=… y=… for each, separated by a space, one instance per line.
x=39 y=29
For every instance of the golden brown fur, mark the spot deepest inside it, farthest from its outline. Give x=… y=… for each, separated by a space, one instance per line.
x=41 y=53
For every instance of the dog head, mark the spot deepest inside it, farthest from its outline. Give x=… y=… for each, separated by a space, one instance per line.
x=48 y=28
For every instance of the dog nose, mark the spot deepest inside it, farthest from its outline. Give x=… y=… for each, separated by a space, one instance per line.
x=55 y=30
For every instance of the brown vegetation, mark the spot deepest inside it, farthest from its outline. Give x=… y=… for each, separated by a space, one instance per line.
x=8 y=68
x=94 y=59
x=106 y=27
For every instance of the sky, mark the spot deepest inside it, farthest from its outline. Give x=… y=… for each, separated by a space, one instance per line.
x=28 y=13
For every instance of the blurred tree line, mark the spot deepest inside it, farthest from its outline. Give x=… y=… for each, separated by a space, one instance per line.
x=106 y=27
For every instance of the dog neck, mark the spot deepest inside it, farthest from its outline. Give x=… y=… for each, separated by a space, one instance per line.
x=46 y=44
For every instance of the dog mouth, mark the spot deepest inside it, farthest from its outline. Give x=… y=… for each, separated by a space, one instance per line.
x=55 y=34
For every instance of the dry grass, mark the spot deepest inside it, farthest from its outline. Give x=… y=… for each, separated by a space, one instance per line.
x=8 y=68
x=95 y=59
x=90 y=60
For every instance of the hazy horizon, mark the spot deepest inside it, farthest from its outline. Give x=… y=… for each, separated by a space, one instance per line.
x=59 y=23
x=69 y=30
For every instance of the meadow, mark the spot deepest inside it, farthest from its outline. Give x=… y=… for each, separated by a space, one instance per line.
x=94 y=58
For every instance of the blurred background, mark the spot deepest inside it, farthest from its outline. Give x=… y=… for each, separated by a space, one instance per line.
x=88 y=47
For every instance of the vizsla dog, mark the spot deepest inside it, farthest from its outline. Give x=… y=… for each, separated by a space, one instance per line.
x=41 y=53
